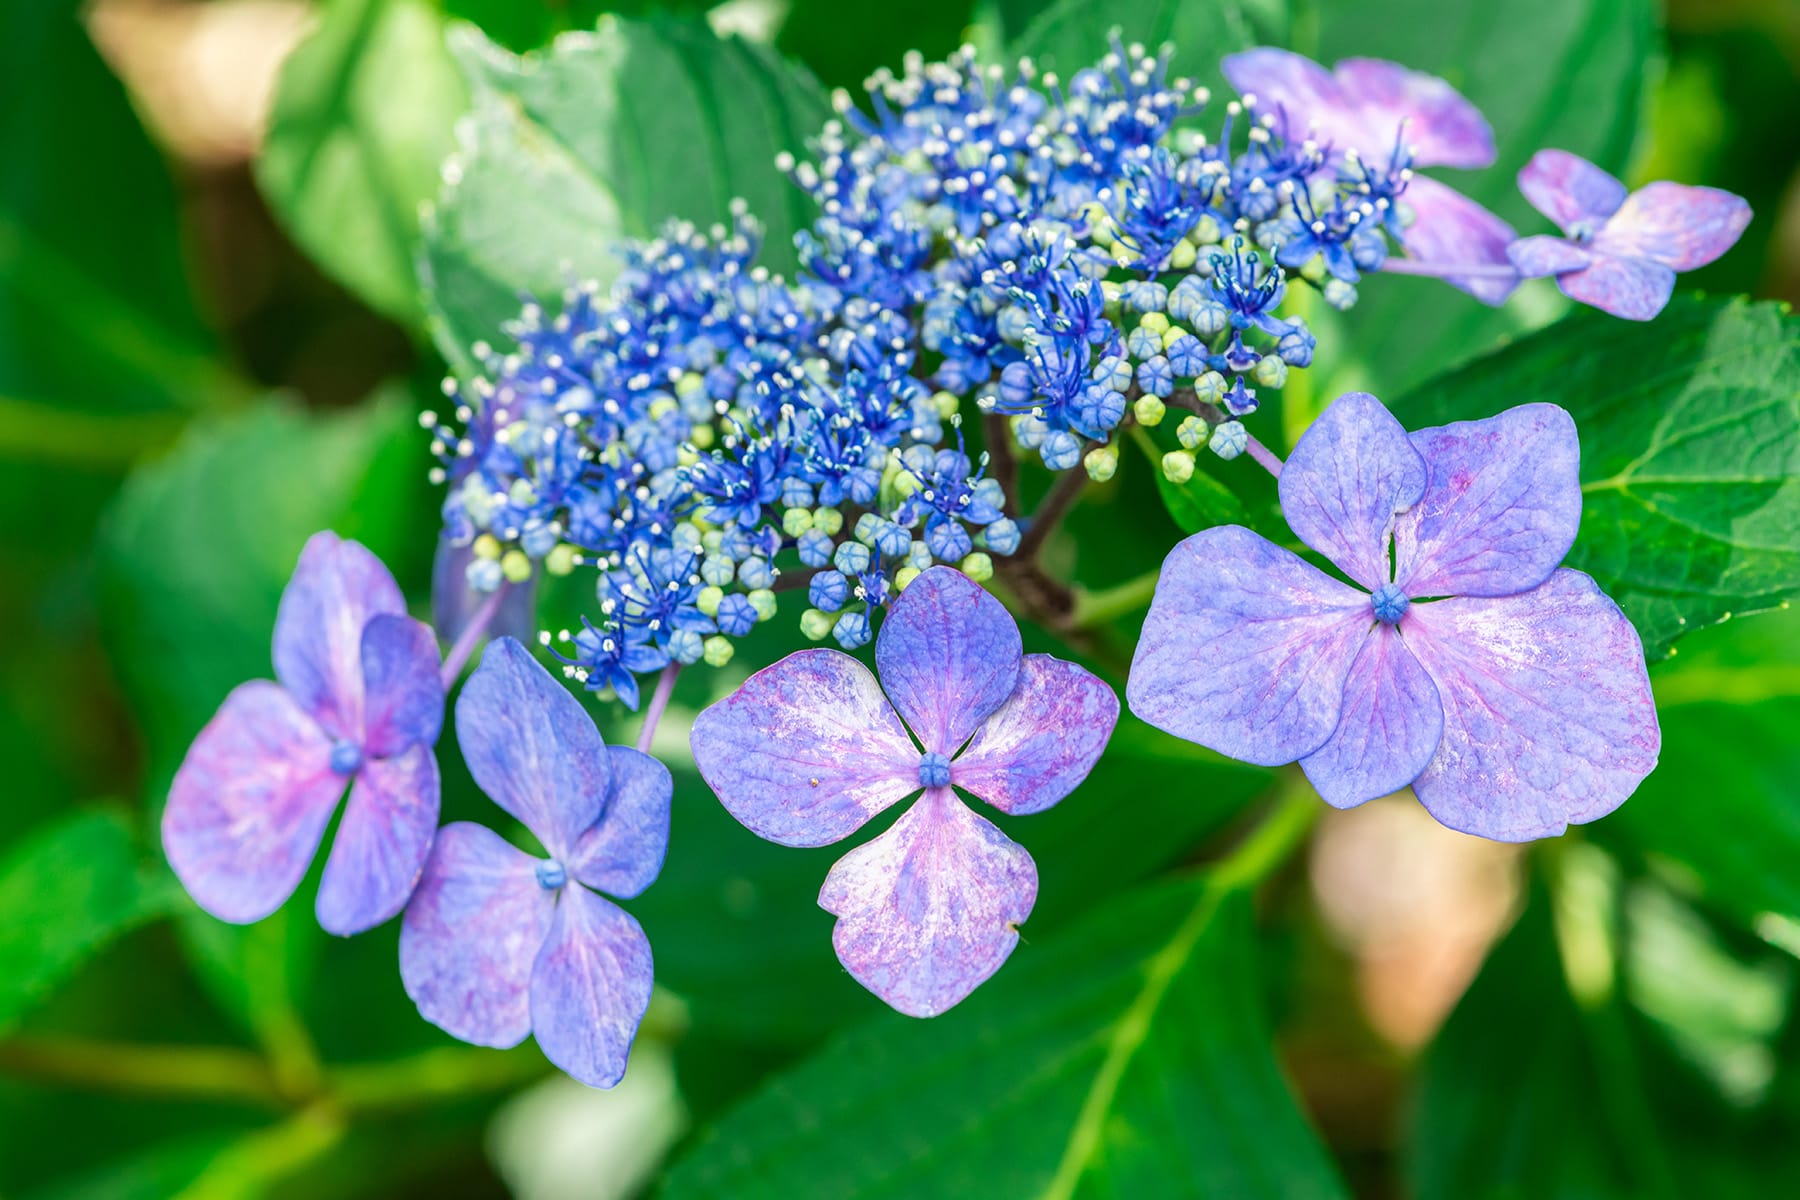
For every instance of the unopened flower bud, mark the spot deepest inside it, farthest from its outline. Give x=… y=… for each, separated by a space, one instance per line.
x=1230 y=439
x=718 y=650
x=1149 y=411
x=1101 y=463
x=978 y=567
x=1178 y=466
x=817 y=625
x=1192 y=432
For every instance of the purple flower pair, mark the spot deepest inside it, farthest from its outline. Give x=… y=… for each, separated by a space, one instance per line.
x=498 y=943
x=1390 y=118
x=1621 y=250
x=359 y=704
x=809 y=749
x=1509 y=692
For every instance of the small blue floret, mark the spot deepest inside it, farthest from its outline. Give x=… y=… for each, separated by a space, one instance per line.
x=934 y=771
x=346 y=757
x=551 y=875
x=1390 y=603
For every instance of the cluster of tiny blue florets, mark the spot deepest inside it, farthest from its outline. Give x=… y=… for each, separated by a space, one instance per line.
x=1061 y=258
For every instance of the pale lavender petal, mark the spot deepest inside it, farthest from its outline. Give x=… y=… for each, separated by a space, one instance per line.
x=590 y=987
x=381 y=843
x=337 y=586
x=806 y=751
x=1350 y=473
x=1246 y=648
x=1391 y=724
x=1548 y=716
x=1535 y=257
x=1292 y=84
x=622 y=853
x=532 y=747
x=1442 y=128
x=1043 y=741
x=1451 y=230
x=931 y=908
x=249 y=804
x=1634 y=288
x=1501 y=510
x=471 y=935
x=1570 y=190
x=404 y=697
x=948 y=656
x=1676 y=225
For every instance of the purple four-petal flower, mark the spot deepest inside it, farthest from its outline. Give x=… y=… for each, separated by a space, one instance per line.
x=359 y=703
x=1509 y=692
x=810 y=748
x=498 y=943
x=1377 y=109
x=1623 y=249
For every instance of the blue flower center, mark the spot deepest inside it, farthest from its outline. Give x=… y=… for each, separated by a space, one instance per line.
x=934 y=771
x=1582 y=232
x=1390 y=603
x=550 y=875
x=346 y=756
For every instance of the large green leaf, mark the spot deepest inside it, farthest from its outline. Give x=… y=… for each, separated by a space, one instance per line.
x=363 y=119
x=95 y=308
x=604 y=136
x=1528 y=1093
x=1690 y=435
x=1073 y=34
x=1564 y=73
x=1126 y=1056
x=67 y=891
x=1729 y=820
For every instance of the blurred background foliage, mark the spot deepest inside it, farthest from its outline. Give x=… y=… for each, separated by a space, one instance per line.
x=213 y=342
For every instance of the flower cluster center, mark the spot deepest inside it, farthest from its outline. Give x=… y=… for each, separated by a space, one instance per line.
x=346 y=756
x=1389 y=603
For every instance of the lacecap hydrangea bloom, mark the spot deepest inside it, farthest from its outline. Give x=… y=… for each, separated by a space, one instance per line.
x=359 y=706
x=1620 y=250
x=809 y=749
x=497 y=943
x=1510 y=692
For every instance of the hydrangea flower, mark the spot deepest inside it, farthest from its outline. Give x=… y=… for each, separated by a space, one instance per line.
x=1375 y=121
x=498 y=943
x=810 y=748
x=359 y=705
x=1622 y=250
x=1508 y=691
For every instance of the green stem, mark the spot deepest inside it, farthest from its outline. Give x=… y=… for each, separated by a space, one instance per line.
x=1270 y=844
x=251 y=1166
x=1094 y=609
x=177 y=1072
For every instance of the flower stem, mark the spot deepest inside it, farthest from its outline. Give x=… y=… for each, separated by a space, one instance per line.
x=1270 y=844
x=1003 y=468
x=471 y=634
x=1265 y=458
x=1051 y=510
x=659 y=700
x=183 y=1072
x=1094 y=609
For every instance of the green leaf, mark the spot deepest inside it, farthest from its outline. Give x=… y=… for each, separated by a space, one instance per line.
x=362 y=120
x=1564 y=73
x=67 y=891
x=1201 y=502
x=1737 y=686
x=1690 y=434
x=1127 y=1056
x=153 y=1174
x=1073 y=34
x=95 y=307
x=605 y=136
x=1527 y=1092
x=198 y=545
